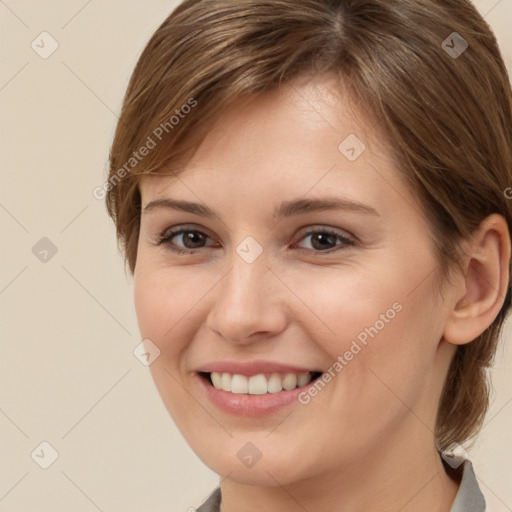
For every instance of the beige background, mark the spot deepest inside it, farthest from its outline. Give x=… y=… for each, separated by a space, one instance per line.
x=68 y=373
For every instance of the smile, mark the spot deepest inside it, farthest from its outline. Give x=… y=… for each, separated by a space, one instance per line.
x=260 y=384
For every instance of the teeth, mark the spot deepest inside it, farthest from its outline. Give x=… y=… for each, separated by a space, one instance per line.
x=290 y=381
x=226 y=382
x=274 y=384
x=217 y=380
x=239 y=384
x=259 y=384
x=303 y=379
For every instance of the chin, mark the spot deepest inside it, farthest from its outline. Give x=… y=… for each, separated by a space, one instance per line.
x=253 y=460
x=264 y=473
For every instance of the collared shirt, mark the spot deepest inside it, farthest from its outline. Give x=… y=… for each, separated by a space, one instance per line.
x=469 y=497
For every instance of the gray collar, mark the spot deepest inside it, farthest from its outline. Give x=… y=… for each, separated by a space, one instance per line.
x=469 y=496
x=212 y=504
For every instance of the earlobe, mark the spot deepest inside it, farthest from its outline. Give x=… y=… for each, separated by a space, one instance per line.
x=481 y=291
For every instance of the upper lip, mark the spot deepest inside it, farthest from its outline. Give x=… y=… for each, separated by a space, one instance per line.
x=249 y=368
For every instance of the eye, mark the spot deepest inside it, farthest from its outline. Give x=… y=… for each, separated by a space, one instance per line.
x=324 y=240
x=191 y=239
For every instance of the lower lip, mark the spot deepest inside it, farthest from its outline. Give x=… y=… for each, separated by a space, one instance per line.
x=250 y=405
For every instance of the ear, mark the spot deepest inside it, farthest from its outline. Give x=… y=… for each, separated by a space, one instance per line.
x=480 y=293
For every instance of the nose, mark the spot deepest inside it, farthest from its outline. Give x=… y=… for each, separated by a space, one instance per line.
x=248 y=303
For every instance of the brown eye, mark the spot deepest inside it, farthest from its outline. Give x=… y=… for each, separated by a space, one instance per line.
x=323 y=240
x=191 y=239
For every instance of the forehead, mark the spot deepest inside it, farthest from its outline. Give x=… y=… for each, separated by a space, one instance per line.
x=305 y=135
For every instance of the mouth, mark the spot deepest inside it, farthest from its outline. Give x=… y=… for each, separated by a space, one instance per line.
x=260 y=384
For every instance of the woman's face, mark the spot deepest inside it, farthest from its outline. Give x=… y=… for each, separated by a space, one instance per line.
x=274 y=285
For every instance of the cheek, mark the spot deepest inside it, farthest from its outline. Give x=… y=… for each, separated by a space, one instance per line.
x=172 y=304
x=377 y=382
x=161 y=314
x=164 y=300
x=381 y=337
x=151 y=304
x=163 y=303
x=347 y=304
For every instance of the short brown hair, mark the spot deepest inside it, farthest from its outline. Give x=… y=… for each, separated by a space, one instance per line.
x=449 y=116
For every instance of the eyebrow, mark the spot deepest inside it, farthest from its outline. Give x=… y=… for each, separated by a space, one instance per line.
x=285 y=209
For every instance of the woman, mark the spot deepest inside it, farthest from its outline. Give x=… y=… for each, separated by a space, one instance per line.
x=310 y=195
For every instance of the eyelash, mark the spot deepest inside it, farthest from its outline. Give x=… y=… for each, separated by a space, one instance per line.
x=165 y=239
